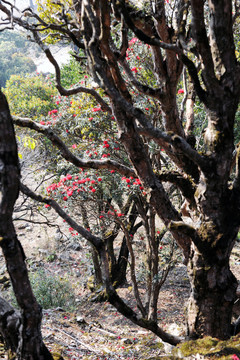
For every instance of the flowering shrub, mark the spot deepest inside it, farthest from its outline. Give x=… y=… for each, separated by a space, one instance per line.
x=93 y=189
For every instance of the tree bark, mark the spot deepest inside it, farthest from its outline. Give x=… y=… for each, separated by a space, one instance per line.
x=26 y=340
x=213 y=292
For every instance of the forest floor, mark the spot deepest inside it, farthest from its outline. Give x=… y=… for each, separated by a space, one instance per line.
x=93 y=330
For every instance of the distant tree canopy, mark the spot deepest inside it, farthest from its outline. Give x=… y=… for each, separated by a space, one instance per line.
x=14 y=48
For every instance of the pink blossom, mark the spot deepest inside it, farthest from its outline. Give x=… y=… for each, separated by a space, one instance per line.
x=133 y=40
x=54 y=111
x=74 y=146
x=134 y=69
x=180 y=91
x=96 y=109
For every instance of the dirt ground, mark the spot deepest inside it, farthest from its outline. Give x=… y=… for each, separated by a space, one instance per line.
x=96 y=330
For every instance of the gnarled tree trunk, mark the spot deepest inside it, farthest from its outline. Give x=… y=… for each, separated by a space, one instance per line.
x=213 y=289
x=25 y=339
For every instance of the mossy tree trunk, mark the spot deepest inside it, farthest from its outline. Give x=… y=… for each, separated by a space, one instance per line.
x=213 y=286
x=213 y=292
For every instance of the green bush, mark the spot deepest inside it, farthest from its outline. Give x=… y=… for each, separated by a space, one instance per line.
x=31 y=96
x=51 y=291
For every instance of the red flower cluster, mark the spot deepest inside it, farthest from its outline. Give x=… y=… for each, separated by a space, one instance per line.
x=235 y=357
x=96 y=109
x=52 y=112
x=133 y=40
x=135 y=182
x=68 y=189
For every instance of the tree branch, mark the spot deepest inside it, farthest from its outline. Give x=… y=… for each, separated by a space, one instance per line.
x=61 y=89
x=186 y=186
x=143 y=36
x=126 y=311
x=96 y=241
x=221 y=36
x=68 y=155
x=189 y=231
x=167 y=138
x=144 y=89
x=200 y=37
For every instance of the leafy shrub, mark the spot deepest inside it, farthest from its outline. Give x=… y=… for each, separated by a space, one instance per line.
x=51 y=291
x=30 y=95
x=71 y=73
